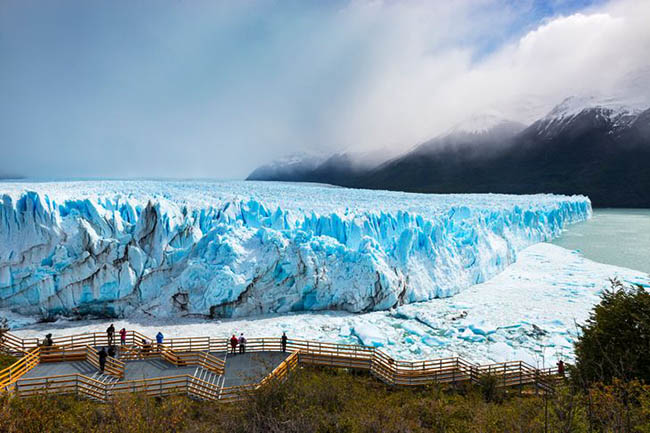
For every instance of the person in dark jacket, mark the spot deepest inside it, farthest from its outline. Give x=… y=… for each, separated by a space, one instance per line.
x=233 y=344
x=146 y=348
x=111 y=351
x=47 y=343
x=102 y=359
x=283 y=341
x=242 y=343
x=110 y=332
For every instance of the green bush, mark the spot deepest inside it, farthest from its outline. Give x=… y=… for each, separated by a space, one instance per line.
x=6 y=360
x=615 y=340
x=315 y=400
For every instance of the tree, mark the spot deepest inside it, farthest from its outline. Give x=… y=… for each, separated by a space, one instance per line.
x=615 y=340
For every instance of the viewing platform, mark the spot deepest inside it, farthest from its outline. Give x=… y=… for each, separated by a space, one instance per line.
x=203 y=368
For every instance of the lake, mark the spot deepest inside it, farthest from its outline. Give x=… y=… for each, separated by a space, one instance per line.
x=618 y=237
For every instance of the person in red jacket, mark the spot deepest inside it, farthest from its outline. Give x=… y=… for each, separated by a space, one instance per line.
x=123 y=336
x=233 y=344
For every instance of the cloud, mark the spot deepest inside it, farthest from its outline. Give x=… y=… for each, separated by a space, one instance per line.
x=214 y=89
x=603 y=53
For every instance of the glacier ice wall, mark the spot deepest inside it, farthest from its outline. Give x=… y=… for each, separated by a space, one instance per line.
x=237 y=249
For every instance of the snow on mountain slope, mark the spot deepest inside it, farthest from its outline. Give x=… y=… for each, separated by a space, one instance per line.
x=485 y=123
x=120 y=248
x=611 y=113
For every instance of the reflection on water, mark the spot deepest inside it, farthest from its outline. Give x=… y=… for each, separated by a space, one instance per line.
x=618 y=237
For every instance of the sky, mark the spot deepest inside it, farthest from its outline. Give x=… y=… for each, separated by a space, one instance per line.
x=213 y=89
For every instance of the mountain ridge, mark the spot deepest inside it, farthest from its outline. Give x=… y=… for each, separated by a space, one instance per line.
x=580 y=147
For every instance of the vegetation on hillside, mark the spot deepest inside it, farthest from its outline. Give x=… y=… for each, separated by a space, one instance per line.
x=6 y=360
x=314 y=400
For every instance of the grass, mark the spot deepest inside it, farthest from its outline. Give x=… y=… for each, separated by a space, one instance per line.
x=323 y=400
x=6 y=360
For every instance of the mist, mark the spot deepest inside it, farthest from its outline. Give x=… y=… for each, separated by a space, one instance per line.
x=213 y=89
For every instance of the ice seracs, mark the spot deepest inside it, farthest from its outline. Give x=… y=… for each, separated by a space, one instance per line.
x=236 y=249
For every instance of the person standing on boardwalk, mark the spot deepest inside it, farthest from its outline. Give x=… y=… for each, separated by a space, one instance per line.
x=233 y=344
x=283 y=341
x=102 y=359
x=146 y=347
x=48 y=343
x=110 y=332
x=159 y=339
x=242 y=343
x=123 y=336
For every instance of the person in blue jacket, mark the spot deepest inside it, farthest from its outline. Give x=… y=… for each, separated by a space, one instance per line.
x=159 y=339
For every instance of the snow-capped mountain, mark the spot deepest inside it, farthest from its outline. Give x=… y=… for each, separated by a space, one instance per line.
x=290 y=168
x=332 y=169
x=588 y=112
x=584 y=145
x=476 y=133
x=482 y=124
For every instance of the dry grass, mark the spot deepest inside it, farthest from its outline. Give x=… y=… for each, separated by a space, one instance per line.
x=339 y=401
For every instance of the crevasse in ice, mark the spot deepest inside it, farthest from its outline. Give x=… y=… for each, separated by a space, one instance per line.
x=241 y=248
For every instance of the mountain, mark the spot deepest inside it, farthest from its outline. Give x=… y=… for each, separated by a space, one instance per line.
x=292 y=168
x=336 y=169
x=599 y=148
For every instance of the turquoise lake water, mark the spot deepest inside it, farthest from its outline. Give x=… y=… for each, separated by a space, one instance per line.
x=618 y=237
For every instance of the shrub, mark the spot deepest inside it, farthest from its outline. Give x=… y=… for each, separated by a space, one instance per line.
x=615 y=340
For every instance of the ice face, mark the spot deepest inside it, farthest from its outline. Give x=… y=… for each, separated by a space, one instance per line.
x=531 y=308
x=239 y=248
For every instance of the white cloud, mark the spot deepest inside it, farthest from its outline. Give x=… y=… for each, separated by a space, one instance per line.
x=416 y=94
x=206 y=89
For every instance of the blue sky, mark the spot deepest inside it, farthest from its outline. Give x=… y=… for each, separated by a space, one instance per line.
x=213 y=89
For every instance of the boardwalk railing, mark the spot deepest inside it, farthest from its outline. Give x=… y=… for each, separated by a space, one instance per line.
x=11 y=374
x=113 y=367
x=195 y=351
x=177 y=357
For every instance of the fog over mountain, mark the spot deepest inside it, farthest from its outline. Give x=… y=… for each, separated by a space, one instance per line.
x=599 y=148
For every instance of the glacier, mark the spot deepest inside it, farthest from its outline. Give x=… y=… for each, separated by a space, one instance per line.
x=235 y=249
x=528 y=312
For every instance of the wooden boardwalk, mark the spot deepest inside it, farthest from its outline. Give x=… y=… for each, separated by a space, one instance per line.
x=201 y=368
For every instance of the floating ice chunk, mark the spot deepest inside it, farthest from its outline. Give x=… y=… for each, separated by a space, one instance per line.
x=560 y=341
x=483 y=328
x=500 y=352
x=369 y=335
x=469 y=335
x=413 y=328
x=434 y=341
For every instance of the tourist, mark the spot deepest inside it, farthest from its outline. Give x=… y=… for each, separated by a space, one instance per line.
x=284 y=341
x=233 y=344
x=159 y=340
x=242 y=343
x=47 y=343
x=146 y=347
x=102 y=359
x=111 y=351
x=123 y=336
x=110 y=332
x=560 y=368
